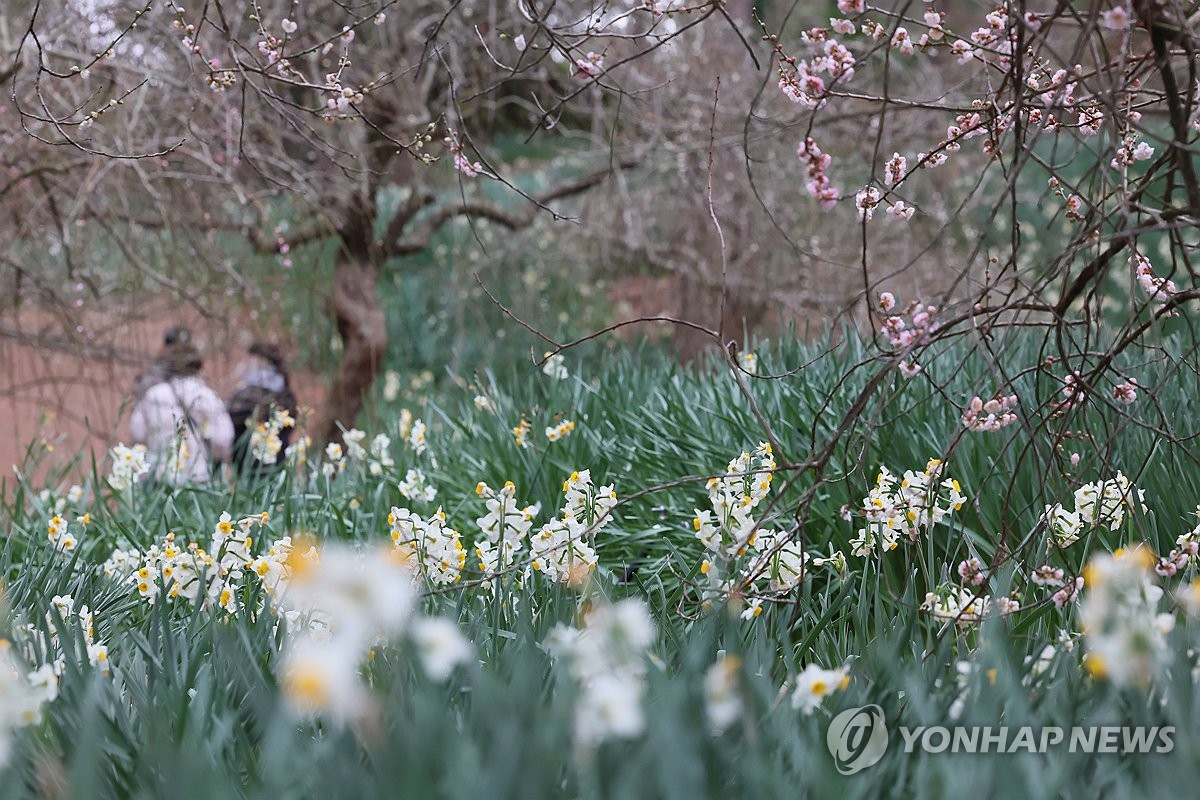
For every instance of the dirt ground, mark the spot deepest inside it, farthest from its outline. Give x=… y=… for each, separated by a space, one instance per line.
x=73 y=398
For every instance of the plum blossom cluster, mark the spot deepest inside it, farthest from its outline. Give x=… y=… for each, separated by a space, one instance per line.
x=816 y=165
x=905 y=507
x=606 y=656
x=1160 y=290
x=865 y=200
x=1053 y=96
x=895 y=170
x=462 y=162
x=129 y=466
x=869 y=198
x=1124 y=633
x=1069 y=592
x=972 y=572
x=901 y=332
x=1130 y=151
x=591 y=65
x=1073 y=391
x=563 y=549
x=217 y=78
x=992 y=415
x=505 y=528
x=338 y=98
x=340 y=604
x=1125 y=392
x=1102 y=503
x=1185 y=552
x=801 y=86
x=1072 y=203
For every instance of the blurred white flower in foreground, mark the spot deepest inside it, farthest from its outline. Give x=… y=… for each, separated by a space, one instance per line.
x=607 y=657
x=722 y=702
x=814 y=684
x=555 y=367
x=441 y=645
x=341 y=605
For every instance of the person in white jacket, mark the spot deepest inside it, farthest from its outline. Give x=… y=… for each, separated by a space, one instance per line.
x=182 y=422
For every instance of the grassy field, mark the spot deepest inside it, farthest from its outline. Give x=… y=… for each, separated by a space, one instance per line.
x=612 y=653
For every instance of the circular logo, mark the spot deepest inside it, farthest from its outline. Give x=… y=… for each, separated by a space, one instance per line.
x=857 y=738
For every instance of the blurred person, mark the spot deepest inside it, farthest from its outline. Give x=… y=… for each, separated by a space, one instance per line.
x=182 y=422
x=263 y=410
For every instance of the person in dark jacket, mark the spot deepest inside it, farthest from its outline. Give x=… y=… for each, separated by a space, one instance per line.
x=263 y=410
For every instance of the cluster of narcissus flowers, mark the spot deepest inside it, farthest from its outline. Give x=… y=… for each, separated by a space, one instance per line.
x=607 y=657
x=1101 y=503
x=375 y=457
x=723 y=702
x=916 y=503
x=47 y=647
x=561 y=430
x=342 y=603
x=427 y=547
x=129 y=465
x=1124 y=633
x=730 y=533
x=265 y=443
x=413 y=431
x=61 y=538
x=555 y=367
x=815 y=683
x=211 y=576
x=961 y=604
x=24 y=691
x=414 y=487
x=22 y=694
x=520 y=432
x=505 y=527
x=562 y=550
x=730 y=528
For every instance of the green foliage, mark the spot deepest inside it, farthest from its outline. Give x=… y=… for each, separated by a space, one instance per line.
x=191 y=707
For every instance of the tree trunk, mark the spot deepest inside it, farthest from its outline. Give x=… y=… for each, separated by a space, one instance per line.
x=362 y=326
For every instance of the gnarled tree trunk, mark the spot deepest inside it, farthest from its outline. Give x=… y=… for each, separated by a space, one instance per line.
x=362 y=326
